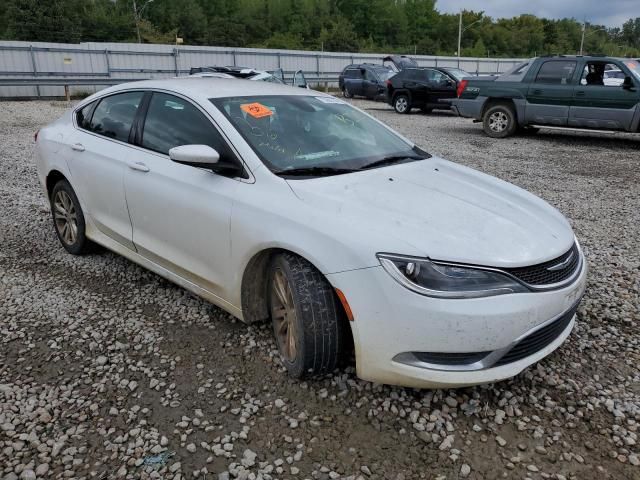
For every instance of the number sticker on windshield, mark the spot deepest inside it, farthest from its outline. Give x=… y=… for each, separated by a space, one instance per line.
x=256 y=110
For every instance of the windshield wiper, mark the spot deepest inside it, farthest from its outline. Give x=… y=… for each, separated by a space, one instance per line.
x=390 y=160
x=314 y=171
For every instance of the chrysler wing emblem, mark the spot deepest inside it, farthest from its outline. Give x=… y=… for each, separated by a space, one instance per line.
x=562 y=265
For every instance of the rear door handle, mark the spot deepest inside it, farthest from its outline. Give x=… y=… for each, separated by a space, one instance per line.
x=580 y=94
x=537 y=92
x=78 y=147
x=139 y=166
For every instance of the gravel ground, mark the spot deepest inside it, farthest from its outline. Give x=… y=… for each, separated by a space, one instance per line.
x=106 y=370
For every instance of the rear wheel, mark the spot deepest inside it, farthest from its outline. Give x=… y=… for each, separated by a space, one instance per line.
x=401 y=103
x=346 y=93
x=68 y=219
x=499 y=121
x=308 y=322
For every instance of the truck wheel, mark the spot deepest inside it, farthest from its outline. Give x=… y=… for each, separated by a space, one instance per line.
x=402 y=104
x=499 y=121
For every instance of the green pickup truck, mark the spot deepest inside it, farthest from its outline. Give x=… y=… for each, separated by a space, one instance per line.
x=577 y=92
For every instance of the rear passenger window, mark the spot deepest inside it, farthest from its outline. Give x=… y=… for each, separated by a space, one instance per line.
x=353 y=73
x=172 y=121
x=83 y=116
x=114 y=115
x=556 y=72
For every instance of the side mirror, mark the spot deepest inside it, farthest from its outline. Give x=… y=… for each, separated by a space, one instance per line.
x=195 y=155
x=628 y=84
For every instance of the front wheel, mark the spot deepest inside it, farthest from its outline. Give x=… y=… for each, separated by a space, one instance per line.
x=308 y=322
x=402 y=104
x=499 y=121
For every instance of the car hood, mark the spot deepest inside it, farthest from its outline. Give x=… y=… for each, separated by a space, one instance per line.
x=441 y=210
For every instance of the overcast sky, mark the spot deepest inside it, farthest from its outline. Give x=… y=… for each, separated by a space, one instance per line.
x=612 y=13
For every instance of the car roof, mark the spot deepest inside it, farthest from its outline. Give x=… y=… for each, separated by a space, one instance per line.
x=213 y=87
x=368 y=65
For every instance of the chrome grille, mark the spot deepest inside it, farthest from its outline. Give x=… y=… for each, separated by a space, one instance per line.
x=544 y=273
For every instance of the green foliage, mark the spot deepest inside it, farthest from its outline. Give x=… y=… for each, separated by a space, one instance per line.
x=394 y=26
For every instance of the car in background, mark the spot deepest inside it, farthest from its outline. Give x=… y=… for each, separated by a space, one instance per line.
x=557 y=91
x=293 y=206
x=423 y=88
x=399 y=62
x=613 y=78
x=364 y=80
x=248 y=73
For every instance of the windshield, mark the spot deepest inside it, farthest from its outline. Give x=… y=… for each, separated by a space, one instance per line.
x=457 y=73
x=292 y=132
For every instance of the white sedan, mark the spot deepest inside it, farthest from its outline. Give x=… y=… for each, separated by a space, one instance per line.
x=286 y=204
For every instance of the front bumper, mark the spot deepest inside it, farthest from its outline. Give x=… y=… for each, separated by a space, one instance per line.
x=391 y=322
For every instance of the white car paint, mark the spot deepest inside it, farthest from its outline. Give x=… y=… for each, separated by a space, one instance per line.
x=201 y=230
x=613 y=78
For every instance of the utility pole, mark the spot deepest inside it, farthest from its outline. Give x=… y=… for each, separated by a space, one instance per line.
x=137 y=16
x=584 y=28
x=459 y=34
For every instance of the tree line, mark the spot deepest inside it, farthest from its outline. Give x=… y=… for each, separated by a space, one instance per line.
x=394 y=26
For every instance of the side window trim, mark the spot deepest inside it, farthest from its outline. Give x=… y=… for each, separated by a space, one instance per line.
x=135 y=135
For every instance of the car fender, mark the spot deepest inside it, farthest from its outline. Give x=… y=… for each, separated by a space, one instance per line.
x=398 y=91
x=52 y=150
x=635 y=123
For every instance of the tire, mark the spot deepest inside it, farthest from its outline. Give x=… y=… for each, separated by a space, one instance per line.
x=68 y=220
x=309 y=325
x=499 y=121
x=426 y=110
x=346 y=93
x=402 y=103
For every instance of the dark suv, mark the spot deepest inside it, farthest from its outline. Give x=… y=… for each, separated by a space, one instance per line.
x=423 y=87
x=365 y=80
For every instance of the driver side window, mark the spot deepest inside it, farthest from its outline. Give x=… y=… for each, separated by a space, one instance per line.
x=602 y=74
x=172 y=121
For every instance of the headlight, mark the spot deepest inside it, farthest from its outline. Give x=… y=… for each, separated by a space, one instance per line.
x=437 y=279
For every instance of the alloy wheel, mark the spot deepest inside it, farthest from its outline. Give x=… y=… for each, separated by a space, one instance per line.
x=402 y=104
x=498 y=121
x=283 y=314
x=65 y=217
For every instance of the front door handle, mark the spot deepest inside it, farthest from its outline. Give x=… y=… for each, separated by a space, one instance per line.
x=78 y=147
x=537 y=92
x=580 y=94
x=139 y=166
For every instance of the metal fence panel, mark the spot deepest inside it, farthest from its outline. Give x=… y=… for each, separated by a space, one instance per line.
x=113 y=61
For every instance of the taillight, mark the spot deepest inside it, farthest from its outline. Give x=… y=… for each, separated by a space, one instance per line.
x=388 y=82
x=462 y=84
x=35 y=136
